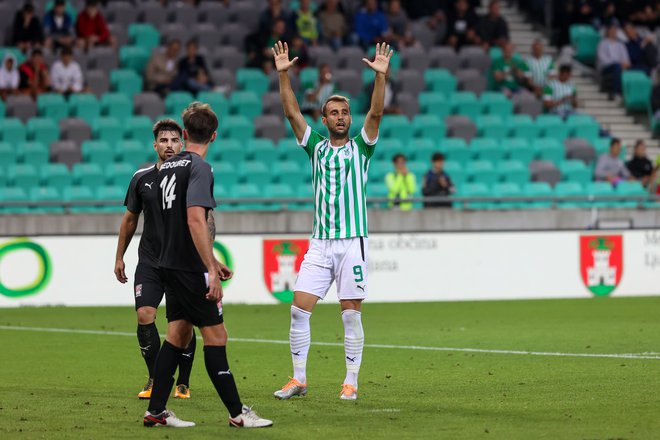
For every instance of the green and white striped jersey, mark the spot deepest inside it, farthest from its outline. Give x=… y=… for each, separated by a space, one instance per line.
x=556 y=90
x=339 y=180
x=540 y=68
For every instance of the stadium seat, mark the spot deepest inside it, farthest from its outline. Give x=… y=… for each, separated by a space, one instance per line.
x=522 y=126
x=75 y=129
x=575 y=171
x=231 y=152
x=85 y=106
x=98 y=152
x=217 y=101
x=465 y=104
x=518 y=149
x=460 y=127
x=243 y=192
x=43 y=130
x=175 y=102
x=149 y=104
x=136 y=152
x=21 y=107
x=10 y=155
x=636 y=89
x=496 y=103
x=116 y=105
x=552 y=126
x=418 y=167
x=22 y=176
x=126 y=81
x=396 y=127
x=55 y=175
x=487 y=149
x=480 y=171
x=246 y=104
x=538 y=189
x=119 y=174
x=434 y=103
x=456 y=173
x=14 y=194
x=422 y=149
x=34 y=153
x=513 y=171
x=3 y=110
x=225 y=174
x=443 y=57
x=42 y=196
x=549 y=149
x=143 y=35
x=77 y=194
x=585 y=39
x=428 y=126
x=278 y=191
x=88 y=174
x=387 y=148
x=290 y=151
x=52 y=106
x=491 y=126
x=262 y=150
x=139 y=128
x=455 y=149
x=113 y=195
x=107 y=129
x=507 y=189
x=597 y=189
x=473 y=190
x=440 y=80
x=570 y=189
x=582 y=126
x=252 y=80
x=255 y=172
x=134 y=58
x=628 y=190
x=12 y=131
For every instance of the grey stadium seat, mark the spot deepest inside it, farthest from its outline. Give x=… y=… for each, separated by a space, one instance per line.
x=348 y=81
x=7 y=13
x=408 y=104
x=415 y=58
x=183 y=13
x=579 y=149
x=228 y=57
x=120 y=32
x=471 y=80
x=427 y=37
x=526 y=103
x=98 y=81
x=149 y=104
x=152 y=13
x=443 y=57
x=272 y=104
x=350 y=57
x=21 y=107
x=461 y=127
x=206 y=35
x=224 y=78
x=322 y=55
x=75 y=129
x=474 y=57
x=270 y=127
x=274 y=81
x=410 y=81
x=544 y=171
x=121 y=12
x=66 y=152
x=233 y=34
x=245 y=14
x=212 y=12
x=174 y=31
x=103 y=58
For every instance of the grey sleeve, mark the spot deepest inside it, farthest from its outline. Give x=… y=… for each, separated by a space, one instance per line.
x=200 y=186
x=600 y=172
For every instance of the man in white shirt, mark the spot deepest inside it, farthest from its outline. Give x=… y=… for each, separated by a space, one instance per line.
x=613 y=58
x=65 y=75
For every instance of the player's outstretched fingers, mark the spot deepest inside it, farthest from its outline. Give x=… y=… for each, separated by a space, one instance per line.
x=286 y=47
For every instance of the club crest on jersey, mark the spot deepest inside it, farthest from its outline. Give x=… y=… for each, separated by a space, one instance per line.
x=601 y=262
x=282 y=260
x=348 y=151
x=138 y=290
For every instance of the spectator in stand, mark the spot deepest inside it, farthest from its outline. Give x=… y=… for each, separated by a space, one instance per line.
x=306 y=23
x=493 y=29
x=541 y=67
x=584 y=12
x=298 y=48
x=642 y=52
x=640 y=167
x=192 y=71
x=9 y=76
x=401 y=184
x=66 y=75
x=27 y=31
x=612 y=59
x=273 y=13
x=391 y=106
x=510 y=73
x=91 y=27
x=610 y=167
x=162 y=68
x=608 y=16
x=560 y=95
x=315 y=96
x=58 y=26
x=437 y=182
x=399 y=34
x=433 y=14
x=462 y=26
x=34 y=75
x=631 y=10
x=333 y=24
x=655 y=99
x=370 y=24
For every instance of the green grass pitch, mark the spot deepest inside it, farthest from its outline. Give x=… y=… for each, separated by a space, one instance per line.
x=69 y=385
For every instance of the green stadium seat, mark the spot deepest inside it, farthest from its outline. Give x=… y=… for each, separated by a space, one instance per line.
x=549 y=149
x=245 y=192
x=3 y=109
x=237 y=127
x=119 y=174
x=73 y=194
x=552 y=126
x=107 y=129
x=126 y=81
x=513 y=171
x=518 y=149
x=429 y=126
x=52 y=106
x=575 y=171
x=507 y=189
x=456 y=173
x=85 y=106
x=98 y=152
x=636 y=89
x=290 y=173
x=585 y=39
x=378 y=169
x=387 y=148
x=481 y=171
x=225 y=174
x=601 y=189
x=434 y=103
x=570 y=189
x=255 y=172
x=496 y=103
x=175 y=117
x=43 y=130
x=135 y=152
x=253 y=80
x=134 y=58
x=55 y=175
x=308 y=77
x=19 y=56
x=232 y=153
x=487 y=149
x=138 y=128
x=22 y=176
x=491 y=126
x=34 y=153
x=522 y=126
x=88 y=174
x=143 y=35
x=245 y=103
x=473 y=190
x=291 y=151
x=9 y=153
x=455 y=149
x=396 y=127
x=582 y=126
x=629 y=190
x=422 y=149
x=117 y=105
x=357 y=122
x=377 y=190
x=418 y=167
x=46 y=194
x=12 y=131
x=217 y=101
x=538 y=189
x=175 y=102
x=14 y=194
x=109 y=194
x=278 y=191
x=215 y=153
x=465 y=104
x=264 y=153
x=440 y=80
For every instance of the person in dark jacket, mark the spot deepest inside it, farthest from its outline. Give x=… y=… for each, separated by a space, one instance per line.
x=437 y=182
x=640 y=167
x=58 y=26
x=28 y=33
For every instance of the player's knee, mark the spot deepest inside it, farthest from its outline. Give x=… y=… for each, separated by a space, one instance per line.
x=146 y=315
x=179 y=335
x=214 y=335
x=351 y=304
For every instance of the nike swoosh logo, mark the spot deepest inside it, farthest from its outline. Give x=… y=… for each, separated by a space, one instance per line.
x=220 y=373
x=238 y=424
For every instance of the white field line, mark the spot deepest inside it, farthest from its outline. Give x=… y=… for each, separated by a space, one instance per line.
x=650 y=356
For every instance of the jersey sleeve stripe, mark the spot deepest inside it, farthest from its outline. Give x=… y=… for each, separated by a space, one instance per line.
x=338 y=194
x=347 y=196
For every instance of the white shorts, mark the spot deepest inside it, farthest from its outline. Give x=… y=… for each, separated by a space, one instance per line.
x=343 y=260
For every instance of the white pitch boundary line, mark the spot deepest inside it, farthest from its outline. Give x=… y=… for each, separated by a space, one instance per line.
x=648 y=356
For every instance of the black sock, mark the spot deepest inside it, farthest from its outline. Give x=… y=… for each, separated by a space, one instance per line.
x=217 y=367
x=186 y=362
x=149 y=344
x=168 y=358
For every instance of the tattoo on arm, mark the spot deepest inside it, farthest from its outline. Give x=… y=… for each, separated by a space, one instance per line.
x=210 y=221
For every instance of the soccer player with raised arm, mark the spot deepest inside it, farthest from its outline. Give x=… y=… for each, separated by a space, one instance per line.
x=192 y=275
x=338 y=248
x=142 y=196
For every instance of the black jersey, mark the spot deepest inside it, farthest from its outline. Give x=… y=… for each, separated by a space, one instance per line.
x=142 y=196
x=184 y=180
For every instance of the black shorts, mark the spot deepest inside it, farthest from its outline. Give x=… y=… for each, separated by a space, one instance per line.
x=185 y=293
x=148 y=286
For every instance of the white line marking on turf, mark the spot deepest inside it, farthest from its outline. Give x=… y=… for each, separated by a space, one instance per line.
x=386 y=346
x=385 y=410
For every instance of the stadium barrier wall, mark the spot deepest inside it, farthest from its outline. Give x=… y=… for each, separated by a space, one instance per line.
x=78 y=271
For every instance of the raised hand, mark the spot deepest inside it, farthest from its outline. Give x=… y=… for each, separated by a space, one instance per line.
x=382 y=59
x=281 y=56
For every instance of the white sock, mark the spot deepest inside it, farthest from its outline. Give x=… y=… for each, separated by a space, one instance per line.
x=353 y=344
x=299 y=339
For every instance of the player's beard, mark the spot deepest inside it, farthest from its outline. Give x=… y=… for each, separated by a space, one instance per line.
x=339 y=134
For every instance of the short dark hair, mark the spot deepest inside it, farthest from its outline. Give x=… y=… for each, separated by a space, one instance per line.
x=60 y=2
x=66 y=50
x=28 y=7
x=398 y=156
x=166 y=125
x=565 y=68
x=200 y=121
x=91 y=2
x=36 y=52
x=615 y=141
x=639 y=142
x=437 y=156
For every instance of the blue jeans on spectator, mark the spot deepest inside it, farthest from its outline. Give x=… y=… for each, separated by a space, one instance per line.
x=613 y=73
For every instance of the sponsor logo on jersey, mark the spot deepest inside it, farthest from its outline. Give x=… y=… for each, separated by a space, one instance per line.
x=138 y=290
x=175 y=164
x=601 y=262
x=282 y=260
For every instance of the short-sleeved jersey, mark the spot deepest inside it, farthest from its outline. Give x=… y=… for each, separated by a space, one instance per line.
x=339 y=180
x=184 y=180
x=556 y=90
x=142 y=196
